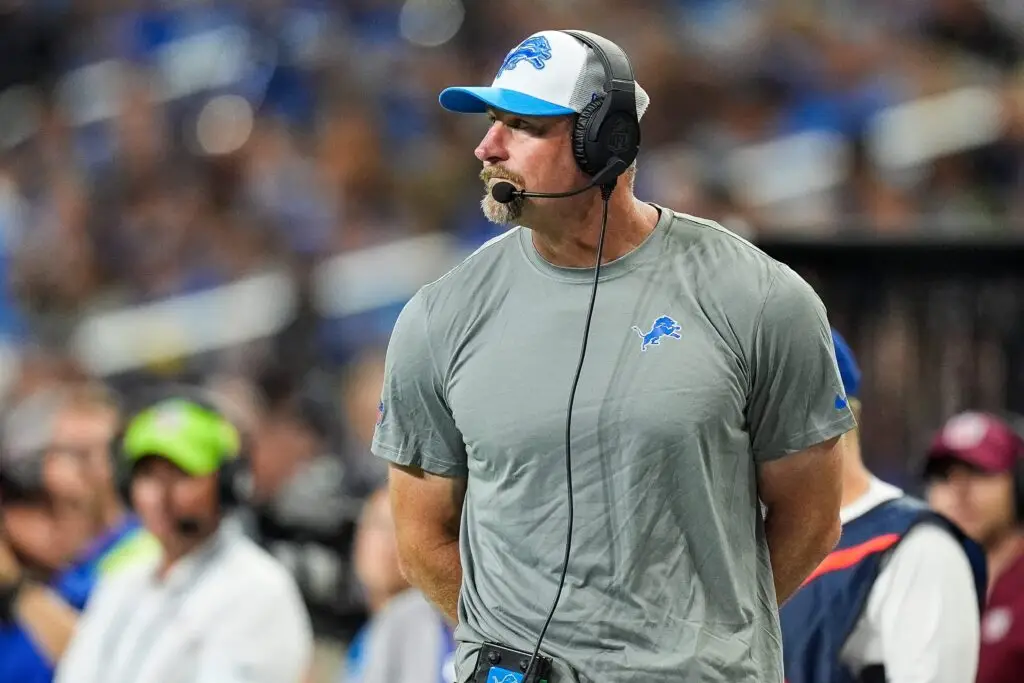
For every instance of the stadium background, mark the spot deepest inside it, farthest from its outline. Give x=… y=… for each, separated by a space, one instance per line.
x=245 y=194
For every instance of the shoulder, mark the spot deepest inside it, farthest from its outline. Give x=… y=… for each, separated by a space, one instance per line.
x=110 y=587
x=478 y=283
x=930 y=557
x=711 y=242
x=136 y=547
x=479 y=265
x=255 y=573
x=732 y=269
x=929 y=542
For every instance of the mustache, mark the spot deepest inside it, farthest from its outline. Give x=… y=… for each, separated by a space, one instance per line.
x=498 y=173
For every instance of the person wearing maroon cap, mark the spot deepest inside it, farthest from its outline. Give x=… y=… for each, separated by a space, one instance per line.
x=975 y=474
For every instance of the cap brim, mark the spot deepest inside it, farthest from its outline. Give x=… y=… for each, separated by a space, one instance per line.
x=467 y=100
x=940 y=456
x=174 y=449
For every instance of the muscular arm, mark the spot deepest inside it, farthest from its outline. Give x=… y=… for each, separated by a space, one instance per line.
x=802 y=494
x=427 y=510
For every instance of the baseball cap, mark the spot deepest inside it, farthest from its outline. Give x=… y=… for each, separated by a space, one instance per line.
x=549 y=74
x=185 y=434
x=849 y=371
x=981 y=440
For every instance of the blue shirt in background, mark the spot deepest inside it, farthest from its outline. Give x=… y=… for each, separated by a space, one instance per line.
x=20 y=660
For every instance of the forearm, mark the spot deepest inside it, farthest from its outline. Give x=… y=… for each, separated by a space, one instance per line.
x=47 y=619
x=437 y=572
x=796 y=546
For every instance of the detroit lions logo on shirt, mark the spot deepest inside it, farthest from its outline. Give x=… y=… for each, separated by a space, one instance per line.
x=535 y=51
x=663 y=327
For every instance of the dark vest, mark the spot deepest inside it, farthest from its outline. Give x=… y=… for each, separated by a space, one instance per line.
x=819 y=618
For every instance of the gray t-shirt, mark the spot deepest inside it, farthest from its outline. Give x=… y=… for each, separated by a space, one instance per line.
x=705 y=358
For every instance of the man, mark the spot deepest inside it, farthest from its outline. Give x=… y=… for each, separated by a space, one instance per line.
x=673 y=574
x=973 y=470
x=62 y=526
x=33 y=543
x=898 y=601
x=212 y=606
x=406 y=640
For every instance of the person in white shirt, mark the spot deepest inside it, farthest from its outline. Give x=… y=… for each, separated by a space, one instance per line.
x=899 y=599
x=213 y=607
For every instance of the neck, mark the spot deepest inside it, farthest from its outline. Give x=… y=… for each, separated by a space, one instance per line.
x=856 y=477
x=630 y=221
x=1002 y=554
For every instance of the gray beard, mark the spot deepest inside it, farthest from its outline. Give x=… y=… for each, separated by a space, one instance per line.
x=502 y=214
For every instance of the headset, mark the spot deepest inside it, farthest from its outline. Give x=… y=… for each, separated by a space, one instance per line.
x=234 y=462
x=605 y=142
x=608 y=128
x=605 y=134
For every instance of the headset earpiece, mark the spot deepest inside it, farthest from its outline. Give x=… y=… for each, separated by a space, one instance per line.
x=608 y=126
x=119 y=467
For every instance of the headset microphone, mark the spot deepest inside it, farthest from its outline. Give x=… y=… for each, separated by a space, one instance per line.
x=189 y=526
x=505 y=192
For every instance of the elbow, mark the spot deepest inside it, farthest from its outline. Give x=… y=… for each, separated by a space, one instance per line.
x=407 y=562
x=835 y=532
x=829 y=535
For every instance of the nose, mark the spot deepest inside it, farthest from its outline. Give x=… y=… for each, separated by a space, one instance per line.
x=492 y=148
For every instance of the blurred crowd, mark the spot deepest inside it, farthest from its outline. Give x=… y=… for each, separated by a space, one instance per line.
x=153 y=148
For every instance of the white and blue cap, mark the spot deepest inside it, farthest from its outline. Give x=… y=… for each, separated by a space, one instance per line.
x=551 y=73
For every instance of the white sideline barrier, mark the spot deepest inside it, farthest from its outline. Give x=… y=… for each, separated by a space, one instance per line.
x=396 y=270
x=252 y=308
x=259 y=306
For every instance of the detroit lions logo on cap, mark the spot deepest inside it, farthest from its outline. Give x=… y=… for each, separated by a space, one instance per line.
x=534 y=51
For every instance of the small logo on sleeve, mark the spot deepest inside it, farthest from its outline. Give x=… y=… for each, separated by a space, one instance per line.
x=380 y=413
x=840 y=402
x=663 y=327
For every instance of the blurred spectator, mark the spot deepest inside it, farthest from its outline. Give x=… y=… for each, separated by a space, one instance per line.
x=974 y=467
x=361 y=390
x=301 y=509
x=155 y=150
x=180 y=458
x=63 y=526
x=406 y=639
